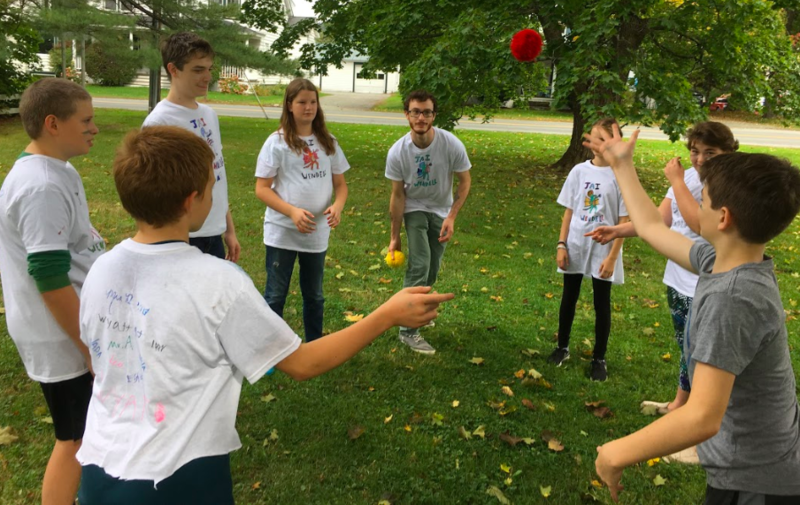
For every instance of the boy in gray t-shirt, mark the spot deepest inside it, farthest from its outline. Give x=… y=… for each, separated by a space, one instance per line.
x=743 y=411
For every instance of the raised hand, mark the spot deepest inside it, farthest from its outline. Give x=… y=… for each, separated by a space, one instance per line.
x=614 y=149
x=603 y=234
x=674 y=170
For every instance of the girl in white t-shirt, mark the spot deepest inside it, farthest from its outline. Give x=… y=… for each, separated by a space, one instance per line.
x=299 y=168
x=679 y=210
x=592 y=198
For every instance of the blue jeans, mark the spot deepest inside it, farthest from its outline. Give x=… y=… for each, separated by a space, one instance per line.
x=280 y=263
x=209 y=245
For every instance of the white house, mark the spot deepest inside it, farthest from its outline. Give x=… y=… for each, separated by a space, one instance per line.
x=349 y=78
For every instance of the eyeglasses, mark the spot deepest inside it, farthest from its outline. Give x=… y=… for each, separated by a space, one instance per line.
x=415 y=113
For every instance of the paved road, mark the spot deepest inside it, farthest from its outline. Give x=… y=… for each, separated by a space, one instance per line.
x=337 y=114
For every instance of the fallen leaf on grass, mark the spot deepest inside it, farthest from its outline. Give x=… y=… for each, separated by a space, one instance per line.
x=268 y=398
x=649 y=410
x=659 y=480
x=455 y=403
x=273 y=437
x=519 y=374
x=355 y=432
x=374 y=267
x=47 y=420
x=479 y=432
x=651 y=462
x=6 y=437
x=528 y=404
x=497 y=298
x=352 y=318
x=463 y=433
x=596 y=483
x=496 y=405
x=529 y=352
x=549 y=406
x=555 y=445
x=256 y=485
x=384 y=281
x=648 y=331
x=507 y=391
x=546 y=491
x=476 y=361
x=505 y=468
x=407 y=428
x=666 y=357
x=339 y=275
x=387 y=420
x=494 y=491
x=508 y=410
x=598 y=410
x=436 y=419
x=510 y=439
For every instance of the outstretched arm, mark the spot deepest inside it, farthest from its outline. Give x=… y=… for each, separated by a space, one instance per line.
x=646 y=218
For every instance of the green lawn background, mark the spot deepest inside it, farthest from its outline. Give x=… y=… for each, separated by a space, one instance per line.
x=296 y=449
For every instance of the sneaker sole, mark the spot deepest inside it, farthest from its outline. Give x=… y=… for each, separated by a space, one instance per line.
x=423 y=352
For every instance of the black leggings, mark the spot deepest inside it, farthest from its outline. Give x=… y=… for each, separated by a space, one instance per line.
x=602 y=309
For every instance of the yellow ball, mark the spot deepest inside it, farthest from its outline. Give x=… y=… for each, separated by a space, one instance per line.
x=398 y=261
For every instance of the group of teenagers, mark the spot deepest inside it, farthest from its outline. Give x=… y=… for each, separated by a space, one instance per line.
x=141 y=351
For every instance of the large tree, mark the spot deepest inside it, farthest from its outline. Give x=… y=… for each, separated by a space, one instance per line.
x=18 y=46
x=638 y=60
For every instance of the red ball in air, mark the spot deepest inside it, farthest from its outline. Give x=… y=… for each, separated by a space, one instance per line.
x=526 y=45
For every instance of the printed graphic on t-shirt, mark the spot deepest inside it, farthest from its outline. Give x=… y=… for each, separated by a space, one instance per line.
x=311 y=161
x=423 y=162
x=98 y=245
x=591 y=203
x=207 y=134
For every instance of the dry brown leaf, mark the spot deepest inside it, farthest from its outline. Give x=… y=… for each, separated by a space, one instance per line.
x=6 y=437
x=355 y=432
x=528 y=404
x=555 y=445
x=510 y=439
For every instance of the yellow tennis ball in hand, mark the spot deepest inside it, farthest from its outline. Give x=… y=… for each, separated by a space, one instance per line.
x=398 y=261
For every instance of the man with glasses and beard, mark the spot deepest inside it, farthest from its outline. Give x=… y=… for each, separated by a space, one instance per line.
x=421 y=167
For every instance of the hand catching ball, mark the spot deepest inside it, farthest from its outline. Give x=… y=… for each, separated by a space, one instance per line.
x=398 y=261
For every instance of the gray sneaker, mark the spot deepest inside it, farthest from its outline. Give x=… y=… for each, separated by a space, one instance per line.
x=417 y=343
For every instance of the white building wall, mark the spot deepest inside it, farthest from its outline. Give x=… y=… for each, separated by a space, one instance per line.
x=338 y=79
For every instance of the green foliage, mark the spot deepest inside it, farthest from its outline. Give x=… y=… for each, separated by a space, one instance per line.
x=232 y=86
x=110 y=64
x=270 y=89
x=638 y=60
x=18 y=47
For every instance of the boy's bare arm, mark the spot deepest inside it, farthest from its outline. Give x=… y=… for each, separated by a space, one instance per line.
x=687 y=205
x=695 y=422
x=562 y=253
x=462 y=191
x=64 y=304
x=397 y=206
x=644 y=214
x=412 y=307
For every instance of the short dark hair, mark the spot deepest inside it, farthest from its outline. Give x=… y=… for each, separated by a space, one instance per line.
x=714 y=134
x=157 y=168
x=49 y=97
x=420 y=95
x=606 y=124
x=761 y=191
x=178 y=48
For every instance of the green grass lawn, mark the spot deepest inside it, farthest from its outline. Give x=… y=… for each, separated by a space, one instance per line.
x=212 y=97
x=501 y=265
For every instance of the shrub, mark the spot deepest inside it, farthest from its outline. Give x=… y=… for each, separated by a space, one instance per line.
x=55 y=63
x=112 y=64
x=270 y=89
x=232 y=86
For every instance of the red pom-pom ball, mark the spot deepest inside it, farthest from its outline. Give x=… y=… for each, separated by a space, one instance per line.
x=526 y=45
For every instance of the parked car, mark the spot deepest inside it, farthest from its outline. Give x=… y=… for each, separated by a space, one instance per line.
x=721 y=103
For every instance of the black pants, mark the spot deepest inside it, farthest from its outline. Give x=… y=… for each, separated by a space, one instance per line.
x=716 y=496
x=602 y=309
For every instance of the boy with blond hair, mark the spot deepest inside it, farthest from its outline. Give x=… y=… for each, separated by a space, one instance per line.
x=743 y=411
x=48 y=245
x=173 y=333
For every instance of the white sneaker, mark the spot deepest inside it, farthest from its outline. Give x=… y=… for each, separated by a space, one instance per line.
x=417 y=343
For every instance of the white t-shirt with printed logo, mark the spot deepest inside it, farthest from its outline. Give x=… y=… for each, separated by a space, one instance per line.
x=43 y=208
x=304 y=180
x=427 y=174
x=204 y=123
x=172 y=333
x=595 y=199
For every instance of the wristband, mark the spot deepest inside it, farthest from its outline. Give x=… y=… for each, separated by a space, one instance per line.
x=561 y=246
x=561 y=242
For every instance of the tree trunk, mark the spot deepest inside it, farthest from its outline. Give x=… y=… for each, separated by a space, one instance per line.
x=575 y=153
x=83 y=60
x=63 y=57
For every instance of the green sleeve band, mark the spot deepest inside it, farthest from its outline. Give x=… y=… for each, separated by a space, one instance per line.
x=50 y=269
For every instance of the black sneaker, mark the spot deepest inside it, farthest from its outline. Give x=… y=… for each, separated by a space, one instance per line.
x=599 y=373
x=558 y=356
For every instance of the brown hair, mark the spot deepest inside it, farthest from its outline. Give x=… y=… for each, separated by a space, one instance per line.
x=157 y=168
x=49 y=97
x=714 y=134
x=178 y=48
x=761 y=191
x=289 y=127
x=420 y=95
x=606 y=124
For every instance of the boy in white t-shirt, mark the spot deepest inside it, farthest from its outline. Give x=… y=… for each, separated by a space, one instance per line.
x=48 y=245
x=188 y=60
x=421 y=167
x=173 y=332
